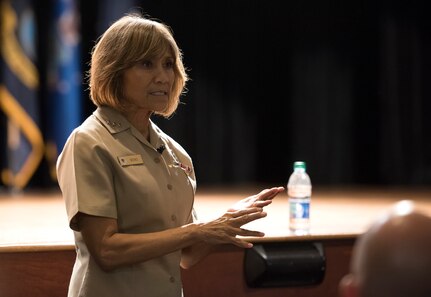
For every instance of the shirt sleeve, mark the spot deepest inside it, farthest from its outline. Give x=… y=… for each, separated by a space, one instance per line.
x=85 y=177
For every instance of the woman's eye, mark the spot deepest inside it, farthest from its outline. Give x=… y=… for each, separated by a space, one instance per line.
x=146 y=64
x=169 y=64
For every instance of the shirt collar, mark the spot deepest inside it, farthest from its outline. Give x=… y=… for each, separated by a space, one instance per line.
x=111 y=119
x=115 y=122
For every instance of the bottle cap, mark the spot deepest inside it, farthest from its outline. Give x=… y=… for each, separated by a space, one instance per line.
x=299 y=164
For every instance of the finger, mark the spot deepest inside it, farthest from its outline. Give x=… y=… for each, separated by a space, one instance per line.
x=241 y=214
x=265 y=194
x=242 y=243
x=275 y=191
x=247 y=232
x=261 y=203
x=246 y=211
x=270 y=193
x=247 y=218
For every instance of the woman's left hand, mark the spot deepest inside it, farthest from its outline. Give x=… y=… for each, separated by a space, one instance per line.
x=261 y=199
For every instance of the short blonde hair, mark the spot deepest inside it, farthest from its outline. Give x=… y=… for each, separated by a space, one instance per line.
x=127 y=41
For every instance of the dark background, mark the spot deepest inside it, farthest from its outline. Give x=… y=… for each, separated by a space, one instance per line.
x=341 y=85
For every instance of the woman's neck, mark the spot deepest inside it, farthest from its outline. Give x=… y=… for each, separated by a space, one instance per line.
x=141 y=121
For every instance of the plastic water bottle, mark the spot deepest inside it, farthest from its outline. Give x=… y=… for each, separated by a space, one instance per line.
x=299 y=193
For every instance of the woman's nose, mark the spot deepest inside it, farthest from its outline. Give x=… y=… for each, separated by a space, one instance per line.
x=161 y=75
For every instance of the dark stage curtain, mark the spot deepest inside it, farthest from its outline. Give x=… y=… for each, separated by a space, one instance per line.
x=342 y=85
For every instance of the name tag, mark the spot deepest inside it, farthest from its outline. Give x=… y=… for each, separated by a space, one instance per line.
x=130 y=160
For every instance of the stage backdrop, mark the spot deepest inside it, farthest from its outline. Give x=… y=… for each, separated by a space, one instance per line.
x=342 y=85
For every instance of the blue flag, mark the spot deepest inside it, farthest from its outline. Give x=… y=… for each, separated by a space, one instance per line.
x=64 y=79
x=18 y=93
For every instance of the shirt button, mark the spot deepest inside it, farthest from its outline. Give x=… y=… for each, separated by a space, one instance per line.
x=169 y=187
x=172 y=279
x=173 y=217
x=157 y=160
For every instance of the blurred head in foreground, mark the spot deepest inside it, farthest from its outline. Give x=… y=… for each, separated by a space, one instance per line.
x=393 y=258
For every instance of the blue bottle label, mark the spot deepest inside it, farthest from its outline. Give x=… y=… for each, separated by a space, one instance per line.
x=300 y=210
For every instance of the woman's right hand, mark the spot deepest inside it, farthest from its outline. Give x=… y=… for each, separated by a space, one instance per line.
x=225 y=229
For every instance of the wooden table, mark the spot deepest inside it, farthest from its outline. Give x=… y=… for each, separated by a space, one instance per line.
x=37 y=251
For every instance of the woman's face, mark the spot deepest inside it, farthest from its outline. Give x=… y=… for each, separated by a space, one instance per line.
x=148 y=84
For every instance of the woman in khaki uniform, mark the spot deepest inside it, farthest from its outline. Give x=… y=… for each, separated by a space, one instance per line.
x=128 y=187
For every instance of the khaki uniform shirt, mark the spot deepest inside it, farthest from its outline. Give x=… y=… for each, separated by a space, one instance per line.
x=107 y=168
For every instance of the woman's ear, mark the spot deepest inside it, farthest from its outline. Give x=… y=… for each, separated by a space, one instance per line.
x=348 y=286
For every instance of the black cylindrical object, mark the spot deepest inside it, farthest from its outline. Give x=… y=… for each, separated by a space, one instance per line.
x=284 y=264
